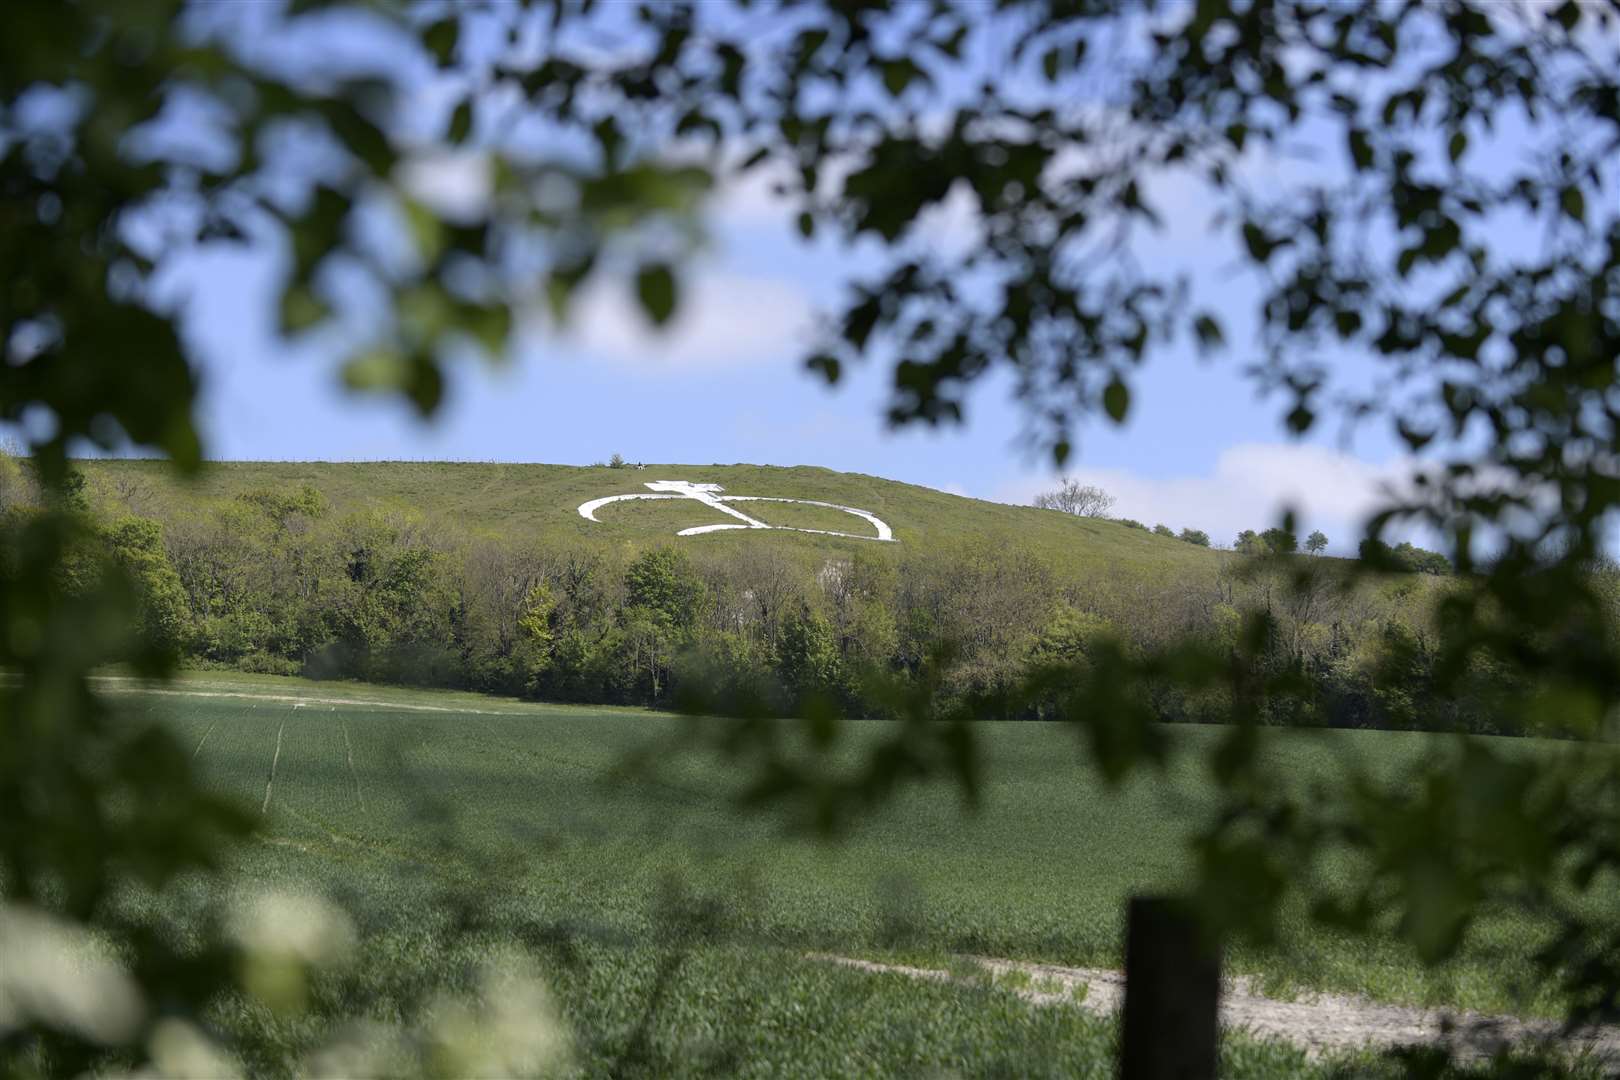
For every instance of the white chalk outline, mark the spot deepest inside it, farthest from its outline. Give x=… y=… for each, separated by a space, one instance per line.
x=709 y=495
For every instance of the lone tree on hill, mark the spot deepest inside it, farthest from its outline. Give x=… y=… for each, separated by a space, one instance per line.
x=1279 y=542
x=1073 y=497
x=1317 y=542
x=1197 y=537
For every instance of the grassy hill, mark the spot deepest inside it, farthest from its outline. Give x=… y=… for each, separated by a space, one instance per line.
x=486 y=577
x=541 y=501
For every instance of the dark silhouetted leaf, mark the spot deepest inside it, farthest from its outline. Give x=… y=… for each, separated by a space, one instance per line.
x=655 y=289
x=825 y=365
x=440 y=38
x=1116 y=400
x=461 y=122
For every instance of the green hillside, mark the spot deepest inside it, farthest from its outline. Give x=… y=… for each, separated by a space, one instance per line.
x=487 y=577
x=524 y=501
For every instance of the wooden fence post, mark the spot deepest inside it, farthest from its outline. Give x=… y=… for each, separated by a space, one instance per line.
x=1172 y=994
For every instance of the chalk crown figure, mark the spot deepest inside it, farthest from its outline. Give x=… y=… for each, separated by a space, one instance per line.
x=710 y=495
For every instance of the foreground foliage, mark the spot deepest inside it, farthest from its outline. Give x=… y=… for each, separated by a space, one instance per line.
x=1499 y=357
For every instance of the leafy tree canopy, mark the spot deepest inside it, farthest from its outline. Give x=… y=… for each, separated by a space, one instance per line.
x=1279 y=541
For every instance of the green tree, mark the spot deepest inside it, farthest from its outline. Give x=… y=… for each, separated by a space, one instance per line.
x=1073 y=636
x=1278 y=541
x=662 y=581
x=1317 y=542
x=136 y=545
x=1404 y=557
x=536 y=635
x=664 y=601
x=1196 y=537
x=807 y=655
x=1421 y=560
x=283 y=507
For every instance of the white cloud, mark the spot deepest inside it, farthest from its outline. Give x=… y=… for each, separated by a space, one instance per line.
x=457 y=184
x=750 y=201
x=1247 y=487
x=723 y=320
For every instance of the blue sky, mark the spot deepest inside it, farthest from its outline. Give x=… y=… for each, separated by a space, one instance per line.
x=1199 y=448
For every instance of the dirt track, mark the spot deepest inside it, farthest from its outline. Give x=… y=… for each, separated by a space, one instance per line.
x=117 y=684
x=1319 y=1023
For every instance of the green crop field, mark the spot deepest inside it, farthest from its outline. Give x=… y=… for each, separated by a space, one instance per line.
x=674 y=930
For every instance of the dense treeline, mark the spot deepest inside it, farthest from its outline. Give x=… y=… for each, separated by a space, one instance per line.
x=276 y=581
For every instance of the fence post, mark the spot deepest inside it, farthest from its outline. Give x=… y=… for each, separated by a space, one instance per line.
x=1172 y=994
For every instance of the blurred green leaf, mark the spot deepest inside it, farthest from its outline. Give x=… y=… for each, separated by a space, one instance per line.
x=1573 y=203
x=301 y=309
x=461 y=122
x=825 y=365
x=655 y=289
x=1116 y=400
x=383 y=368
x=427 y=231
x=1361 y=152
x=440 y=38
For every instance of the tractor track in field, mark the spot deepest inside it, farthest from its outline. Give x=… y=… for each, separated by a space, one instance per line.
x=269 y=785
x=1318 y=1023
x=348 y=749
x=204 y=739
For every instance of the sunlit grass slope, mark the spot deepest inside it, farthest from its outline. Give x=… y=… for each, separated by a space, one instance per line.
x=542 y=500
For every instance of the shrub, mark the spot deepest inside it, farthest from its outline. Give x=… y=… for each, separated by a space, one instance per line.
x=263 y=663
